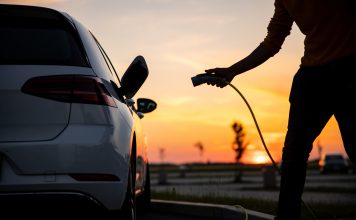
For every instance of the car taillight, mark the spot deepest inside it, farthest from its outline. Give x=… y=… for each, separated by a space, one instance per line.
x=69 y=88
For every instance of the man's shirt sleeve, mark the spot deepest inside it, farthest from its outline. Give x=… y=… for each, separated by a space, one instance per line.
x=279 y=28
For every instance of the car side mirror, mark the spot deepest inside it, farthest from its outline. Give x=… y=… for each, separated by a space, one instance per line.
x=146 y=105
x=134 y=77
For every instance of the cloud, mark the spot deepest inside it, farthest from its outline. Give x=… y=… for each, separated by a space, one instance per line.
x=274 y=136
x=179 y=101
x=186 y=61
x=158 y=1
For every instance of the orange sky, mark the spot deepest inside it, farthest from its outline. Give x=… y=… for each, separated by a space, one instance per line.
x=180 y=39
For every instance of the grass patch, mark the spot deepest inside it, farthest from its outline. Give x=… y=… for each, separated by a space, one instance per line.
x=321 y=210
x=173 y=168
x=321 y=189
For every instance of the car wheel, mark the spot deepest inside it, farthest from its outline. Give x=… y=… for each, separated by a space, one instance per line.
x=144 y=200
x=128 y=210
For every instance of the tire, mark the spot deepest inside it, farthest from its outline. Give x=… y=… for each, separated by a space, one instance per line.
x=128 y=211
x=144 y=200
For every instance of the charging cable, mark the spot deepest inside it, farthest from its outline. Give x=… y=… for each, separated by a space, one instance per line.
x=205 y=78
x=209 y=78
x=258 y=128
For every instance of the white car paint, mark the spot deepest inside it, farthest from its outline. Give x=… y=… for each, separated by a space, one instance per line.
x=43 y=142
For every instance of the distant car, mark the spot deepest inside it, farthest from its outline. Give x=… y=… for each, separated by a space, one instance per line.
x=333 y=163
x=69 y=128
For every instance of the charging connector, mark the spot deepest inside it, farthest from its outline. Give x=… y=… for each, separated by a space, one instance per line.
x=207 y=78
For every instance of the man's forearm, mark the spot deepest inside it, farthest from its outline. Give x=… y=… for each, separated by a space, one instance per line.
x=256 y=58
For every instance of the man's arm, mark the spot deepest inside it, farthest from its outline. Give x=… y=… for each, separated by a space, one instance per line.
x=256 y=58
x=278 y=29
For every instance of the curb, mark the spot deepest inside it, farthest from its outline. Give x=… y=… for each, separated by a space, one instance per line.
x=213 y=211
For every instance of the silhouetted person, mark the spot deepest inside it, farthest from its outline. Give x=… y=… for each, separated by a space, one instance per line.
x=324 y=85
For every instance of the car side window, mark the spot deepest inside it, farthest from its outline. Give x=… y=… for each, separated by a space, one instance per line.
x=107 y=60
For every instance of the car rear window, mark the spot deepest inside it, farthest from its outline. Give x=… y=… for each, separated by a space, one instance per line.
x=29 y=38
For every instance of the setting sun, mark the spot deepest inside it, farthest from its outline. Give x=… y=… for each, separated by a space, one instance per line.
x=260 y=158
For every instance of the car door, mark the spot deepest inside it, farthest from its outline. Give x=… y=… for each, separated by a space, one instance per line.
x=141 y=145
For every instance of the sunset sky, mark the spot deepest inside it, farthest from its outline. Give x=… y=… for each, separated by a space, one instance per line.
x=182 y=38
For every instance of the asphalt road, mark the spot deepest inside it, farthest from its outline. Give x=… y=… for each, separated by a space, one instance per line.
x=163 y=216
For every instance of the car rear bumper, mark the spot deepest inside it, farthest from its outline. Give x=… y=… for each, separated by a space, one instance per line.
x=34 y=169
x=58 y=190
x=58 y=201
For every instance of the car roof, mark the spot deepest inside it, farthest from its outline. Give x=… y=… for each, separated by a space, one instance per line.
x=11 y=11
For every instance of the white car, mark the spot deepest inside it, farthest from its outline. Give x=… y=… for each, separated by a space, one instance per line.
x=70 y=133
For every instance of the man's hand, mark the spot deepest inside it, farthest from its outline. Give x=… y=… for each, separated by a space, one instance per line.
x=224 y=73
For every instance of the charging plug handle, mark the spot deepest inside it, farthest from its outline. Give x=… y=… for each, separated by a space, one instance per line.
x=206 y=78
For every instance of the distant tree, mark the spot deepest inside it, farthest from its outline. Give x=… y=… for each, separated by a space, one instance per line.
x=239 y=145
x=320 y=149
x=162 y=154
x=162 y=177
x=200 y=147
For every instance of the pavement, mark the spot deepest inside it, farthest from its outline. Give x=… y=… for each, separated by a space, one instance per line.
x=199 y=211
